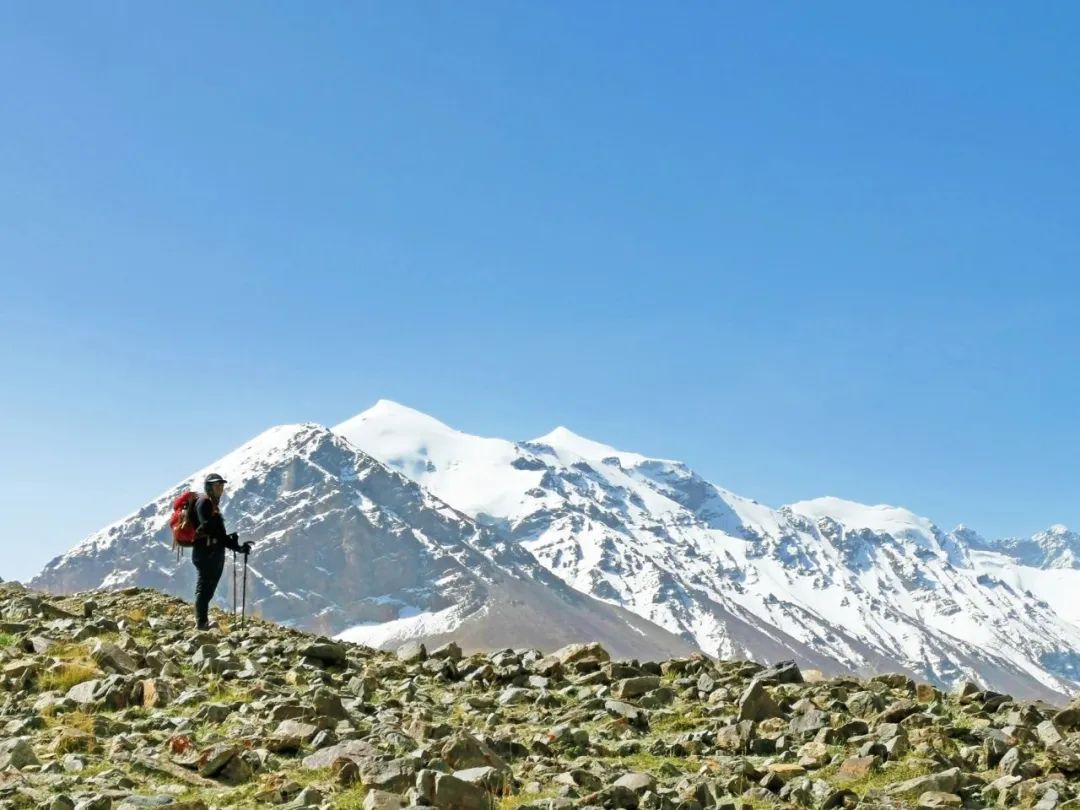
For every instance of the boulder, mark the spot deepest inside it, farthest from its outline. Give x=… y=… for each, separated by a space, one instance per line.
x=447 y=792
x=630 y=688
x=326 y=652
x=17 y=753
x=412 y=652
x=756 y=704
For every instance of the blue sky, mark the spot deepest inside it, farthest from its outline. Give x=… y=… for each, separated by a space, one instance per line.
x=809 y=250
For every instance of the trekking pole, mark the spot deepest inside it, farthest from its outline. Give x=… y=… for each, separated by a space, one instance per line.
x=243 y=601
x=234 y=586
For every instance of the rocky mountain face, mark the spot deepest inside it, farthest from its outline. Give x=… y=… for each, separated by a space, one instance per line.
x=830 y=583
x=1057 y=547
x=344 y=544
x=108 y=701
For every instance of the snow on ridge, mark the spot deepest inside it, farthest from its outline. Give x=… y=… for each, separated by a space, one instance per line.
x=562 y=439
x=881 y=518
x=426 y=623
x=236 y=466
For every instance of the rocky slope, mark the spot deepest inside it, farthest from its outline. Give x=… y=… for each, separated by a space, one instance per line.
x=830 y=583
x=344 y=544
x=109 y=701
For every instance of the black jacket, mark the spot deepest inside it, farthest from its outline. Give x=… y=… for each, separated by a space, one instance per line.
x=211 y=532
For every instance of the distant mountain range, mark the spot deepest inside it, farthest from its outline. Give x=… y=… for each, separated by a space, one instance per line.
x=394 y=526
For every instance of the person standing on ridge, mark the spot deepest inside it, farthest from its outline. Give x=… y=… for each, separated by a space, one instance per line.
x=208 y=553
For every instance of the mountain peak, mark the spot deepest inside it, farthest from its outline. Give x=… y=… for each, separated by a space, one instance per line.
x=393 y=416
x=564 y=439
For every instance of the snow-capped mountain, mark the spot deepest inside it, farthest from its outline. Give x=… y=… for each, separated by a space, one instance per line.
x=1057 y=547
x=832 y=583
x=1046 y=566
x=346 y=545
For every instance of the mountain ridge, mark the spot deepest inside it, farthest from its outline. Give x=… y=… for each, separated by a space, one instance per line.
x=394 y=525
x=656 y=537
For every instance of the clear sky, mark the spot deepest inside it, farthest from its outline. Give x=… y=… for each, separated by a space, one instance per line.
x=808 y=249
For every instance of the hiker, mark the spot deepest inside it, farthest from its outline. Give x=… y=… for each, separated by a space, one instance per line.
x=208 y=552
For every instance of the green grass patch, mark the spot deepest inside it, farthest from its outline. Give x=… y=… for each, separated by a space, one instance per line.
x=66 y=675
x=512 y=801
x=6 y=639
x=676 y=722
x=652 y=763
x=351 y=798
x=83 y=721
x=900 y=771
x=75 y=651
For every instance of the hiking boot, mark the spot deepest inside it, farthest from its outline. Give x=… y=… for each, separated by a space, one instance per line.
x=202 y=627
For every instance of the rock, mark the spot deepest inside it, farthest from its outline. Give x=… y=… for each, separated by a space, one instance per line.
x=393 y=776
x=23 y=667
x=236 y=771
x=327 y=652
x=579 y=655
x=447 y=792
x=663 y=696
x=616 y=797
x=412 y=652
x=349 y=749
x=1048 y=733
x=814 y=755
x=155 y=693
x=856 y=768
x=786 y=770
x=464 y=751
x=491 y=779
x=381 y=800
x=996 y=744
x=308 y=797
x=294 y=728
x=637 y=781
x=865 y=703
x=83 y=693
x=935 y=798
x=1010 y=762
x=450 y=651
x=17 y=753
x=112 y=659
x=215 y=758
x=629 y=688
x=809 y=723
x=579 y=777
x=926 y=693
x=328 y=704
x=514 y=695
x=634 y=716
x=756 y=704
x=784 y=672
x=1064 y=758
x=943 y=782
x=895 y=712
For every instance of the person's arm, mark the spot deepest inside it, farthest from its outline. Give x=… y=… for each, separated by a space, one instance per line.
x=211 y=526
x=231 y=540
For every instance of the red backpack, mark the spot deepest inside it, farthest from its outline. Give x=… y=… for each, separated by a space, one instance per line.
x=184 y=522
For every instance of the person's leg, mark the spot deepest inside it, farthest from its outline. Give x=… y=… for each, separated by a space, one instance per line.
x=209 y=567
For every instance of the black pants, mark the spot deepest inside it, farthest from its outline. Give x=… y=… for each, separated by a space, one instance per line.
x=209 y=562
